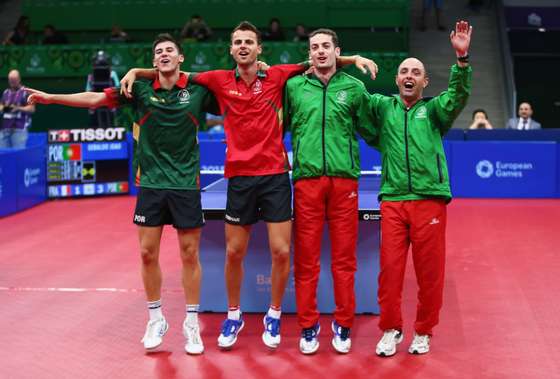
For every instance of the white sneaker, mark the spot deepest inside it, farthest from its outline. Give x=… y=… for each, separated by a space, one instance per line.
x=194 y=343
x=230 y=330
x=387 y=346
x=155 y=330
x=308 y=343
x=271 y=334
x=420 y=344
x=341 y=338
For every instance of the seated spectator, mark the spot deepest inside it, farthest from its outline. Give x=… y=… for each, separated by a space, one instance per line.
x=118 y=35
x=196 y=29
x=274 y=32
x=301 y=34
x=18 y=36
x=51 y=36
x=480 y=120
x=524 y=121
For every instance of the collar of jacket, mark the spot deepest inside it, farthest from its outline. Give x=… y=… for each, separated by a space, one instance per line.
x=313 y=79
x=422 y=100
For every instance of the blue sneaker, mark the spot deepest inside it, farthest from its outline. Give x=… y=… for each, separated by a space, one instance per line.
x=308 y=343
x=271 y=334
x=341 y=338
x=230 y=330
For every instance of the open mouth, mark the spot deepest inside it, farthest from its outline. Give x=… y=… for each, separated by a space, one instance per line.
x=243 y=54
x=165 y=61
x=322 y=59
x=408 y=85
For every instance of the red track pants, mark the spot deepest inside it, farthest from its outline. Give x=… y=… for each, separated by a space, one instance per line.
x=317 y=200
x=420 y=223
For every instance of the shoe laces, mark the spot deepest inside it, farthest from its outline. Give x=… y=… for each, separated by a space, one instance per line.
x=389 y=336
x=309 y=334
x=273 y=326
x=421 y=339
x=230 y=326
x=152 y=329
x=193 y=333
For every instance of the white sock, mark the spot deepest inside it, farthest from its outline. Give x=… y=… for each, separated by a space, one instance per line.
x=154 y=308
x=192 y=314
x=234 y=313
x=274 y=313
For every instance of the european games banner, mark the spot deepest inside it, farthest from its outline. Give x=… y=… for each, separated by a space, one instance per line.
x=504 y=169
x=31 y=177
x=8 y=186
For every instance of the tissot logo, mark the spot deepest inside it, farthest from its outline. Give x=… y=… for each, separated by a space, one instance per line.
x=87 y=135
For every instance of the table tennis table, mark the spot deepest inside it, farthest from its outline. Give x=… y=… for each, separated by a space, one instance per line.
x=255 y=290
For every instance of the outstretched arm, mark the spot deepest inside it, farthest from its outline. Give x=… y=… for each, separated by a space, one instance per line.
x=363 y=64
x=80 y=100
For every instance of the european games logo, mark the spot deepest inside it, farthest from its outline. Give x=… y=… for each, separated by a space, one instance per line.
x=484 y=169
x=341 y=96
x=31 y=176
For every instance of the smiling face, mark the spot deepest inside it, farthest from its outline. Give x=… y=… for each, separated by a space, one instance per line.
x=411 y=79
x=244 y=47
x=323 y=52
x=167 y=57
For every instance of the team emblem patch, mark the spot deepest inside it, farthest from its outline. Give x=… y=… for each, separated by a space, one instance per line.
x=257 y=87
x=184 y=96
x=341 y=96
x=421 y=112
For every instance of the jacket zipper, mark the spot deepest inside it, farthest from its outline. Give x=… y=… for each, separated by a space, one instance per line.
x=297 y=153
x=323 y=129
x=439 y=169
x=406 y=150
x=351 y=155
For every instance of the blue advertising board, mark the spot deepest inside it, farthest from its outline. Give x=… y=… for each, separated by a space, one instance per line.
x=31 y=177
x=8 y=186
x=504 y=169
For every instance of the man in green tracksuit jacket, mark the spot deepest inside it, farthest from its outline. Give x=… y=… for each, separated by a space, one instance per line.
x=324 y=110
x=415 y=190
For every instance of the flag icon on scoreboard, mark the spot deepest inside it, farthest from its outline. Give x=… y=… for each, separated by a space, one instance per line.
x=72 y=152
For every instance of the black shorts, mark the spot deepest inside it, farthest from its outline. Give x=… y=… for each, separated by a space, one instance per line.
x=180 y=208
x=250 y=198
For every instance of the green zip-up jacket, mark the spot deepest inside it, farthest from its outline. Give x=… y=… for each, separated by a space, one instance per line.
x=324 y=120
x=410 y=140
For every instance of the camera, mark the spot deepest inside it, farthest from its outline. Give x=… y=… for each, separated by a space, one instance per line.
x=8 y=108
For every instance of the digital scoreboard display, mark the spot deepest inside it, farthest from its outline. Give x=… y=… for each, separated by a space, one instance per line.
x=87 y=162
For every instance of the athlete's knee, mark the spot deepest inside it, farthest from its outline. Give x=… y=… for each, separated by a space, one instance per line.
x=189 y=254
x=234 y=253
x=280 y=254
x=148 y=255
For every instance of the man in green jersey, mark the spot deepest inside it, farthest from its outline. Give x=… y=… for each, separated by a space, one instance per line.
x=415 y=191
x=168 y=110
x=324 y=111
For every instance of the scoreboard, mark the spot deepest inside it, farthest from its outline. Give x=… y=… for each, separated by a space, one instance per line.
x=87 y=162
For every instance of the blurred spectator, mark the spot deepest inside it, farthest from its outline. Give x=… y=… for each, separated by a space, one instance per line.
x=51 y=36
x=196 y=29
x=118 y=35
x=524 y=121
x=18 y=36
x=301 y=34
x=274 y=32
x=16 y=117
x=101 y=77
x=426 y=7
x=480 y=120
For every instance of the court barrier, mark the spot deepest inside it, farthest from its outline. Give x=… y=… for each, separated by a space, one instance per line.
x=487 y=164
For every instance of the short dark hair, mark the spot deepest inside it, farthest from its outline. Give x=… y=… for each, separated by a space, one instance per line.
x=479 y=111
x=328 y=32
x=246 y=25
x=166 y=37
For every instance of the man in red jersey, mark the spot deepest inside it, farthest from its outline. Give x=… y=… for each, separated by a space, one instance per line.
x=257 y=168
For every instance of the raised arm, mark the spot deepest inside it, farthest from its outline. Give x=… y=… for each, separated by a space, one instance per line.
x=134 y=73
x=79 y=100
x=363 y=64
